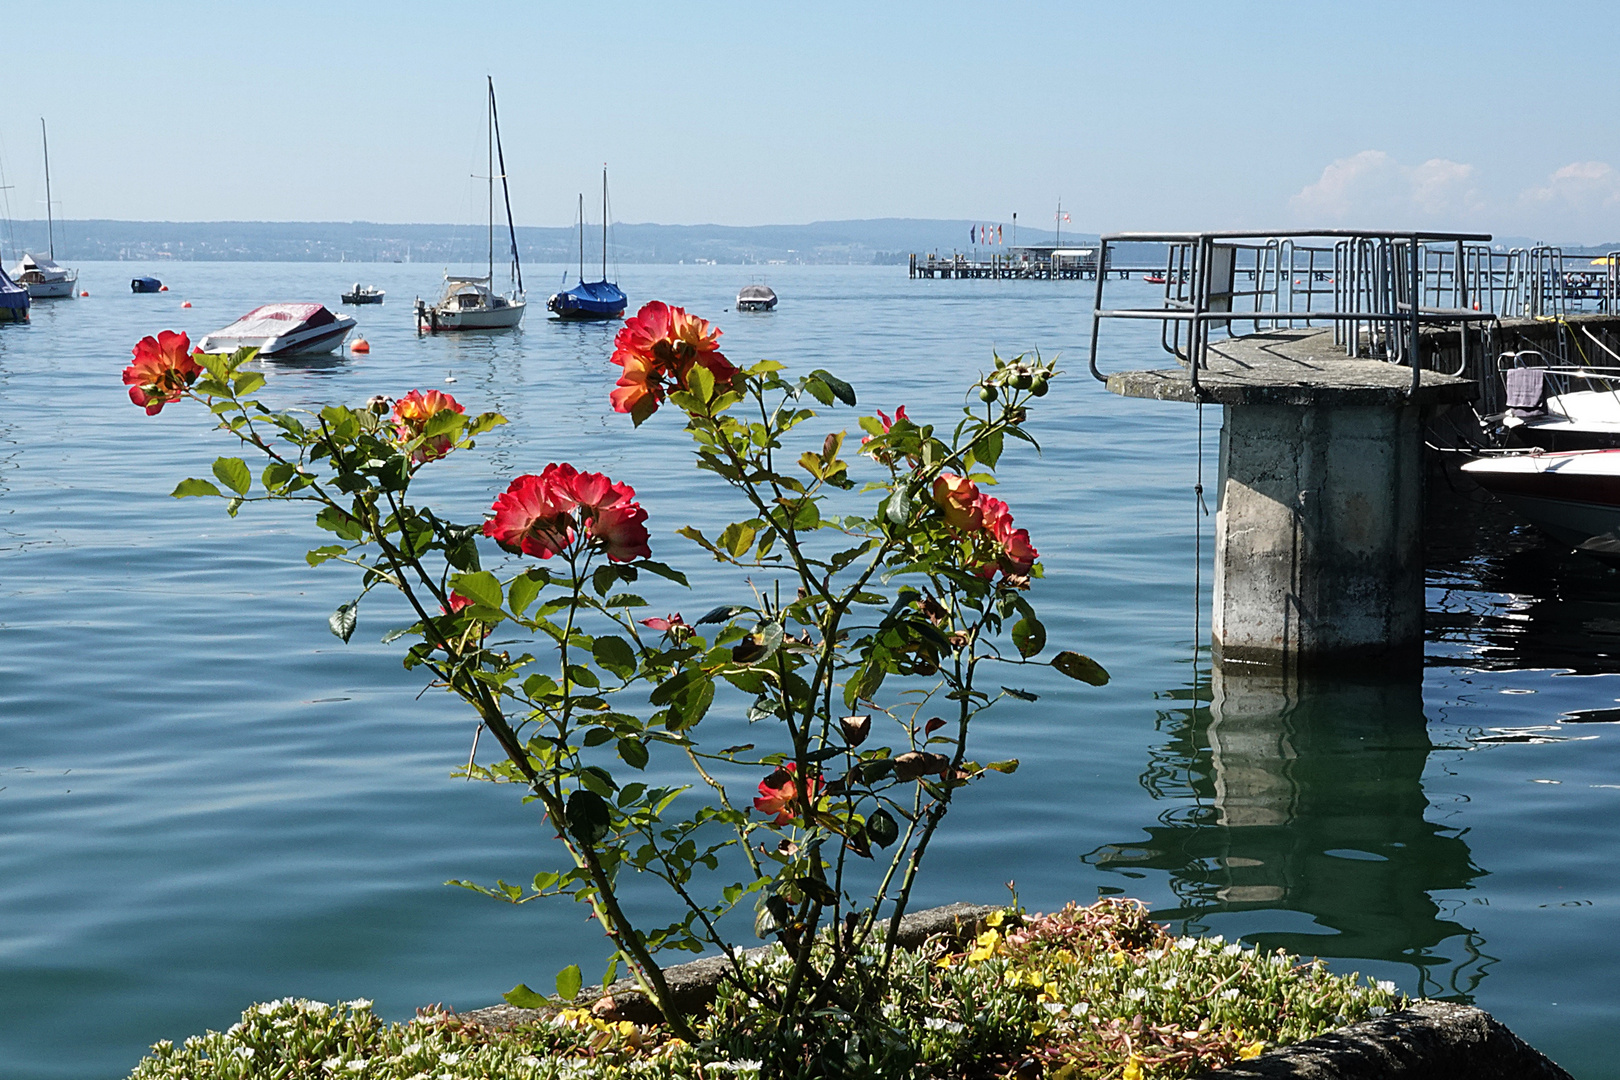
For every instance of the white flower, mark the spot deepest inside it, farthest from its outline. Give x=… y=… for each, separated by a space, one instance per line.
x=1218 y=939
x=1228 y=995
x=1080 y=1008
x=358 y=1004
x=333 y=1064
x=449 y=1059
x=1136 y=993
x=1386 y=987
x=1139 y=972
x=1053 y=1007
x=1154 y=954
x=1378 y=1010
x=1169 y=984
x=1186 y=943
x=243 y=1052
x=357 y=1065
x=939 y=1023
x=410 y=1049
x=1232 y=949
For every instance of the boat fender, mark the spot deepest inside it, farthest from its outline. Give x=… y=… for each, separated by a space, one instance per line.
x=360 y=345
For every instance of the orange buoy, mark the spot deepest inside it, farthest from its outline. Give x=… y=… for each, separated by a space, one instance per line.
x=163 y=288
x=85 y=293
x=360 y=344
x=186 y=304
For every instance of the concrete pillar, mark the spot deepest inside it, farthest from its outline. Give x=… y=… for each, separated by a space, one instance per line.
x=1319 y=543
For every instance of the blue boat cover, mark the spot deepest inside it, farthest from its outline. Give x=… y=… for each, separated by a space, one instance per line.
x=595 y=297
x=146 y=284
x=12 y=295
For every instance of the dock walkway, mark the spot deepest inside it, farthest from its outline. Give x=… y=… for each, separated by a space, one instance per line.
x=1291 y=367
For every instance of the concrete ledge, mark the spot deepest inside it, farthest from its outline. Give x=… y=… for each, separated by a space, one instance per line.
x=693 y=984
x=1431 y=1040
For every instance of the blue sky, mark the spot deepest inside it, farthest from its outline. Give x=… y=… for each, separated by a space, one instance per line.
x=1482 y=115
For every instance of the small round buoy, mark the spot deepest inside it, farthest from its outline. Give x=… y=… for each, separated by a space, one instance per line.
x=360 y=344
x=449 y=378
x=163 y=288
x=86 y=292
x=186 y=304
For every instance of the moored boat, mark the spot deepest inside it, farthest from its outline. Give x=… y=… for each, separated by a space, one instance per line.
x=363 y=294
x=145 y=284
x=13 y=300
x=589 y=300
x=43 y=279
x=280 y=331
x=756 y=298
x=1572 y=496
x=469 y=302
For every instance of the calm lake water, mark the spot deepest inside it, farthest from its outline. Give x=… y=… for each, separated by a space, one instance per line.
x=206 y=800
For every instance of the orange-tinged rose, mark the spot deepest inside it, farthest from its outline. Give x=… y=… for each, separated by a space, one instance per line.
x=162 y=371
x=412 y=414
x=657 y=349
x=780 y=790
x=958 y=497
x=542 y=515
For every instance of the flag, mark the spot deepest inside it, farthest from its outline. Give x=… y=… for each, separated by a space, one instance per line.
x=998 y=234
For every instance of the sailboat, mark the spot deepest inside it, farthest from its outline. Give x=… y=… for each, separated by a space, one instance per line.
x=590 y=299
x=41 y=276
x=469 y=302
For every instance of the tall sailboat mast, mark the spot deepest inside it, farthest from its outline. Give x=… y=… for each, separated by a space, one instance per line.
x=582 y=237
x=506 y=197
x=50 y=222
x=604 y=221
x=490 y=126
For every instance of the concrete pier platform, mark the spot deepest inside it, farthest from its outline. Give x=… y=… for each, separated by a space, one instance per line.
x=1318 y=551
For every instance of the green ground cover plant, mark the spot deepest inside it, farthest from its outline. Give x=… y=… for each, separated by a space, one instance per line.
x=1100 y=991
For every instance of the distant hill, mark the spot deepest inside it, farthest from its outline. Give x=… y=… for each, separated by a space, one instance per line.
x=879 y=240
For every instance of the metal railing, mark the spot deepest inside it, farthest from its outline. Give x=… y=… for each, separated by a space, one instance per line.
x=1381 y=288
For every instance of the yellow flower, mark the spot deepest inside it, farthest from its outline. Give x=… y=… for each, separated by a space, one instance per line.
x=1251 y=1051
x=995 y=918
x=1051 y=990
x=1133 y=1069
x=1117 y=960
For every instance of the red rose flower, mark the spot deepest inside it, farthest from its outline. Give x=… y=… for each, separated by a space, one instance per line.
x=457 y=602
x=542 y=515
x=411 y=415
x=780 y=790
x=162 y=371
x=657 y=350
x=664 y=625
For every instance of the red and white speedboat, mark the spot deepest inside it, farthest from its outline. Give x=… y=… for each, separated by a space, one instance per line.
x=1573 y=496
x=282 y=330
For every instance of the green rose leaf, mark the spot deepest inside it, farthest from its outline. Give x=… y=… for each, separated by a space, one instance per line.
x=481 y=588
x=569 y=980
x=343 y=621
x=881 y=828
x=524 y=998
x=589 y=817
x=233 y=473
x=523 y=590
x=189 y=488
x=634 y=753
x=841 y=389
x=1081 y=668
x=614 y=654
x=1029 y=636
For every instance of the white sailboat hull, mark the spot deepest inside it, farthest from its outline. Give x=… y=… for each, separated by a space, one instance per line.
x=498 y=318
x=49 y=290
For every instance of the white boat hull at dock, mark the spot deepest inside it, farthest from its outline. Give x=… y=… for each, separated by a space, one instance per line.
x=1573 y=497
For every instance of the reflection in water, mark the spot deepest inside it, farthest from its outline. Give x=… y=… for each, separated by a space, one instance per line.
x=1309 y=798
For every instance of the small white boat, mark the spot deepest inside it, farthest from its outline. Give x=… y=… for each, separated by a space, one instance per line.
x=1572 y=496
x=363 y=294
x=43 y=279
x=756 y=298
x=282 y=330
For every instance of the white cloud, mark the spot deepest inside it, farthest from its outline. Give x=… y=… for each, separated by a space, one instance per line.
x=1373 y=189
x=1581 y=186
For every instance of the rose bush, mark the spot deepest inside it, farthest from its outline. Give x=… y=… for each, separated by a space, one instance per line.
x=882 y=617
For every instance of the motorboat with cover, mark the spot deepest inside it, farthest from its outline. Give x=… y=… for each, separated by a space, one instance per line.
x=43 y=279
x=756 y=298
x=145 y=284
x=471 y=302
x=590 y=299
x=363 y=294
x=13 y=300
x=279 y=331
x=1572 y=496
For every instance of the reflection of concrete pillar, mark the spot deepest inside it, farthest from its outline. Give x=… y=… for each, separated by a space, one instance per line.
x=1319 y=547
